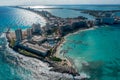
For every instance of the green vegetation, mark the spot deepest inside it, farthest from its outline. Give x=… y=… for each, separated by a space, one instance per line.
x=55 y=30
x=51 y=51
x=56 y=59
x=12 y=43
x=27 y=53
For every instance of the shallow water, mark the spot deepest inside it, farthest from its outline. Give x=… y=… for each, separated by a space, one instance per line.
x=13 y=65
x=14 y=18
x=96 y=52
x=79 y=45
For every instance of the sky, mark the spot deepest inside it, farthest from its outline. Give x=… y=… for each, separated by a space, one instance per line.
x=52 y=2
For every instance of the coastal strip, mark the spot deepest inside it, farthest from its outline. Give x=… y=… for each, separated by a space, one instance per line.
x=55 y=30
x=63 y=67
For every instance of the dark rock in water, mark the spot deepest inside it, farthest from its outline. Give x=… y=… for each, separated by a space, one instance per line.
x=69 y=48
x=64 y=69
x=95 y=69
x=11 y=59
x=63 y=51
x=85 y=79
x=113 y=67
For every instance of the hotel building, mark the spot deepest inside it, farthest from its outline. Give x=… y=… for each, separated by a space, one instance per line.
x=18 y=34
x=36 y=28
x=29 y=33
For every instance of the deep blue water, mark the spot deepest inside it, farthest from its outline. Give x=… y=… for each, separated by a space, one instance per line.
x=17 y=18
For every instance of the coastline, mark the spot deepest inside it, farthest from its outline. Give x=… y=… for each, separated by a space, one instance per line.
x=57 y=53
x=36 y=66
x=46 y=65
x=72 y=33
x=82 y=46
x=68 y=61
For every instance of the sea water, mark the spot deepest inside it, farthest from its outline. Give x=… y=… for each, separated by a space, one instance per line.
x=96 y=52
x=99 y=47
x=14 y=18
x=14 y=66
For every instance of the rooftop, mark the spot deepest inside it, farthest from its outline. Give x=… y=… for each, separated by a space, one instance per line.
x=38 y=38
x=34 y=46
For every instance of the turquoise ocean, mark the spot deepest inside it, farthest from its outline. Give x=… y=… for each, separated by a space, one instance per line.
x=95 y=52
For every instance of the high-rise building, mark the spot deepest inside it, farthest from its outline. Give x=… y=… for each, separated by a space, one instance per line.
x=18 y=34
x=108 y=18
x=29 y=33
x=36 y=28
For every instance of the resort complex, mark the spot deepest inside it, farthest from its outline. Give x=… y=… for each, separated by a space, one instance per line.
x=42 y=42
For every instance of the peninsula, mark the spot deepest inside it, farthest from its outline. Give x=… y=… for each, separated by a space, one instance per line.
x=41 y=42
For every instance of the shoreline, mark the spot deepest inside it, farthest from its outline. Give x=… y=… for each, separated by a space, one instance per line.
x=36 y=65
x=57 y=53
x=59 y=43
x=69 y=63
x=69 y=34
x=56 y=66
x=49 y=67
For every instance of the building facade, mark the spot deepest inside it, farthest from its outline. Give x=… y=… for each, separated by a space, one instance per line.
x=36 y=28
x=18 y=34
x=29 y=33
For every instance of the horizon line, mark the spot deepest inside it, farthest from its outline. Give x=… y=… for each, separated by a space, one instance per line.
x=57 y=4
